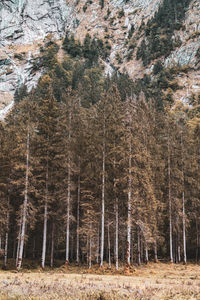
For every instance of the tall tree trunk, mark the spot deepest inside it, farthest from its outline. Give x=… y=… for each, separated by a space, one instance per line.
x=68 y=212
x=72 y=247
x=78 y=215
x=90 y=247
x=170 y=200
x=183 y=204
x=116 y=248
x=184 y=230
x=19 y=238
x=87 y=250
x=116 y=234
x=68 y=193
x=6 y=236
x=197 y=240
x=109 y=257
x=132 y=252
x=6 y=249
x=142 y=249
x=45 y=218
x=7 y=231
x=146 y=254
x=52 y=245
x=98 y=245
x=24 y=211
x=103 y=196
x=155 y=252
x=139 y=246
x=178 y=247
x=128 y=249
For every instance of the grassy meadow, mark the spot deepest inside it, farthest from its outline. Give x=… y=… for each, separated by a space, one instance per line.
x=152 y=281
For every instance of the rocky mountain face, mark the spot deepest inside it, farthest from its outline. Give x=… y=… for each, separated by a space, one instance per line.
x=25 y=24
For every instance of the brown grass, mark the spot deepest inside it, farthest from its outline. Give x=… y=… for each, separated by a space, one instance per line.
x=155 y=281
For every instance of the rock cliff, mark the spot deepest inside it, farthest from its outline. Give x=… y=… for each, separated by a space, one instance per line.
x=25 y=24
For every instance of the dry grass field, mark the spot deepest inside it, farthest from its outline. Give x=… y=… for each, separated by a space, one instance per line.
x=154 y=281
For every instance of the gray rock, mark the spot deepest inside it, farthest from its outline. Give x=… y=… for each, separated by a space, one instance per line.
x=23 y=22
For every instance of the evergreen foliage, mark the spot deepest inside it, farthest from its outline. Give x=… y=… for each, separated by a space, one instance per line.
x=92 y=48
x=159 y=30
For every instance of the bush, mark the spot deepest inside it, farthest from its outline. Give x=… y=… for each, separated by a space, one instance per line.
x=158 y=67
x=121 y=14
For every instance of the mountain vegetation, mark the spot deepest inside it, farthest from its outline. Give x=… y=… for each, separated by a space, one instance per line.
x=158 y=38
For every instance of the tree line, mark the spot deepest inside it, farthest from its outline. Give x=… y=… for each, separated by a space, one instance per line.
x=115 y=181
x=97 y=168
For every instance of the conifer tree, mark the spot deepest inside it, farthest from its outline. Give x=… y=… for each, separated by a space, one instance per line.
x=115 y=133
x=22 y=122
x=47 y=116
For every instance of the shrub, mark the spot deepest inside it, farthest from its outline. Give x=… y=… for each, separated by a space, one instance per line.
x=158 y=67
x=121 y=14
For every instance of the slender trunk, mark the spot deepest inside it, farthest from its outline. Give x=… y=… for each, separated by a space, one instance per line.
x=132 y=252
x=87 y=250
x=72 y=247
x=183 y=204
x=19 y=238
x=25 y=250
x=109 y=257
x=116 y=248
x=25 y=204
x=78 y=216
x=155 y=252
x=44 y=235
x=98 y=246
x=68 y=211
x=52 y=245
x=45 y=218
x=129 y=210
x=139 y=248
x=90 y=248
x=7 y=230
x=0 y=243
x=123 y=248
x=18 y=243
x=197 y=241
x=170 y=201
x=178 y=247
x=6 y=250
x=184 y=235
x=116 y=234
x=103 y=196
x=146 y=254
x=68 y=194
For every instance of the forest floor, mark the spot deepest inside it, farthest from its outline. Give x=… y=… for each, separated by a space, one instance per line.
x=152 y=281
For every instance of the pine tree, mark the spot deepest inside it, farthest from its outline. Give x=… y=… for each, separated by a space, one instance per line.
x=47 y=117
x=115 y=147
x=21 y=121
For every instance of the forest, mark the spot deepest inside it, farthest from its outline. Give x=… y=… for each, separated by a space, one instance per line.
x=97 y=168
